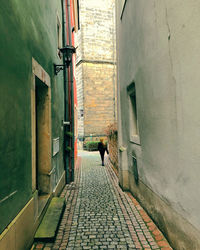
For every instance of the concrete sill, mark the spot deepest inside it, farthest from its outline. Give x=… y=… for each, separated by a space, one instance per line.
x=135 y=139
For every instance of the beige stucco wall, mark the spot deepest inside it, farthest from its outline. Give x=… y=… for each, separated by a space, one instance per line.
x=158 y=49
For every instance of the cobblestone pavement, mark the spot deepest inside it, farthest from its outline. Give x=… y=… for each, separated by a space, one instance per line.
x=99 y=215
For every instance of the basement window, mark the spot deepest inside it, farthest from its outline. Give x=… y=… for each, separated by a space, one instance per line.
x=135 y=169
x=133 y=118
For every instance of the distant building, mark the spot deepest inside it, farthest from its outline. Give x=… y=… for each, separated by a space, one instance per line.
x=95 y=68
x=34 y=114
x=159 y=119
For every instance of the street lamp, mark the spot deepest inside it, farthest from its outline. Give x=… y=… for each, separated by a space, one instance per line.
x=67 y=52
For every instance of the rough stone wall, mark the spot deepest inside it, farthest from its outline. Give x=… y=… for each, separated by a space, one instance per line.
x=79 y=46
x=98 y=27
x=79 y=83
x=96 y=53
x=113 y=150
x=98 y=98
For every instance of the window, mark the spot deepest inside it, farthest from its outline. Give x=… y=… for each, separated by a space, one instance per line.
x=81 y=113
x=133 y=119
x=59 y=36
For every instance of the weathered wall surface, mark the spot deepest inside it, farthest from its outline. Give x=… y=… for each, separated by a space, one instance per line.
x=98 y=97
x=158 y=49
x=96 y=54
x=80 y=98
x=113 y=150
x=28 y=29
x=98 y=29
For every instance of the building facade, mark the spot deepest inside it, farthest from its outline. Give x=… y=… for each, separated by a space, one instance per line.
x=158 y=93
x=95 y=68
x=34 y=105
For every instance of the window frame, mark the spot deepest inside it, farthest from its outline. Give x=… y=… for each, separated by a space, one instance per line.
x=122 y=7
x=134 y=136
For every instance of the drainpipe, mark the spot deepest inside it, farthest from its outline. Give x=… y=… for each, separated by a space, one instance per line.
x=70 y=78
x=65 y=87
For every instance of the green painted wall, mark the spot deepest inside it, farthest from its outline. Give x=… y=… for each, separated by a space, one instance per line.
x=28 y=29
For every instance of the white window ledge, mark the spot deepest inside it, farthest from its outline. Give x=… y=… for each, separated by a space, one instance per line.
x=135 y=139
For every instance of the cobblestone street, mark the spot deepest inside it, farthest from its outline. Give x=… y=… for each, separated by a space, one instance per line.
x=99 y=215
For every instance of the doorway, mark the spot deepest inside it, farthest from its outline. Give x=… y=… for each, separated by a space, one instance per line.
x=41 y=94
x=41 y=135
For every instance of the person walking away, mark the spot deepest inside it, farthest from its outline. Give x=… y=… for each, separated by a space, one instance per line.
x=102 y=147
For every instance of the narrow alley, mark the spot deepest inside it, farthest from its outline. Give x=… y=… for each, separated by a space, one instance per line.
x=99 y=215
x=85 y=78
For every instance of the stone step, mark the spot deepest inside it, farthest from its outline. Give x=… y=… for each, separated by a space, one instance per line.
x=49 y=225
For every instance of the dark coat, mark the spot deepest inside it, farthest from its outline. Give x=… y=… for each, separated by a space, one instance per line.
x=102 y=148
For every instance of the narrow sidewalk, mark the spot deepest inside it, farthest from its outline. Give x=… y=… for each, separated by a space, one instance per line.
x=99 y=215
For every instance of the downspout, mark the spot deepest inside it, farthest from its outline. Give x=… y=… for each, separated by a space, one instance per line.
x=65 y=87
x=72 y=92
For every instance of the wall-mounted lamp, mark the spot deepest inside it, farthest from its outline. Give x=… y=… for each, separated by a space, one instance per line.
x=67 y=52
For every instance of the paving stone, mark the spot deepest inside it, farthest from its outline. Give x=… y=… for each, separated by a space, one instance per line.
x=99 y=215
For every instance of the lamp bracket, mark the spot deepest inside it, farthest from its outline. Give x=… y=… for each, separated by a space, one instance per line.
x=67 y=52
x=58 y=68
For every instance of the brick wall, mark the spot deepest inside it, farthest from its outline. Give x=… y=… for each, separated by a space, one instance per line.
x=96 y=69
